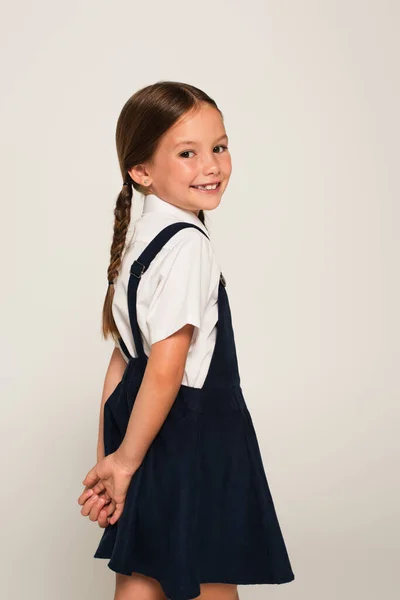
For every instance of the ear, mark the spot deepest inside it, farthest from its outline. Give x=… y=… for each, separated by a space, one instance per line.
x=139 y=173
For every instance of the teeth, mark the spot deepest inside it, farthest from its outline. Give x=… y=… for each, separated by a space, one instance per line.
x=206 y=187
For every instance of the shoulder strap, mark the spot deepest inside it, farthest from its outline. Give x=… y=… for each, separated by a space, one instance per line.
x=142 y=263
x=139 y=266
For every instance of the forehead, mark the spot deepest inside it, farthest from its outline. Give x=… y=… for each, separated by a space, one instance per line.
x=201 y=125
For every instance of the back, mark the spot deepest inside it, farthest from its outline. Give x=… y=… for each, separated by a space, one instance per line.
x=180 y=286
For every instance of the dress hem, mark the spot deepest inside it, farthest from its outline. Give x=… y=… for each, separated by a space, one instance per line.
x=229 y=580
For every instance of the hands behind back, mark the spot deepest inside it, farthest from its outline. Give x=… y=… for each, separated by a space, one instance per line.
x=108 y=481
x=106 y=484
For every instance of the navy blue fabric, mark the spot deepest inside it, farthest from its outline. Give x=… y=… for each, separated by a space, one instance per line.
x=198 y=508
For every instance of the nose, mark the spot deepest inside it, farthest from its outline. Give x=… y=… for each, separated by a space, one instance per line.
x=211 y=165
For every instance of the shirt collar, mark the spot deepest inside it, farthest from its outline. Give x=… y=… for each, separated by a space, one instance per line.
x=153 y=203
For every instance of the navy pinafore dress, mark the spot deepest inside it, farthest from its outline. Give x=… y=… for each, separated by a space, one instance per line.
x=198 y=508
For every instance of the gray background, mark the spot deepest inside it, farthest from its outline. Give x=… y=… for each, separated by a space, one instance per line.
x=308 y=237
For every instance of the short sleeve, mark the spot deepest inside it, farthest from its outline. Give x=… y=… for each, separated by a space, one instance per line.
x=183 y=289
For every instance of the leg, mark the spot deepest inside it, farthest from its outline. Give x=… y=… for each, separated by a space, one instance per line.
x=137 y=587
x=218 y=591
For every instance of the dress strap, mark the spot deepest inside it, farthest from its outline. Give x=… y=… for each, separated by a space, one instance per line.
x=139 y=266
x=124 y=348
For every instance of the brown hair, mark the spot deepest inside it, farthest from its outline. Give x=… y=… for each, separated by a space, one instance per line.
x=144 y=119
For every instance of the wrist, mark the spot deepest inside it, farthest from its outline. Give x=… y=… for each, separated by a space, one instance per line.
x=100 y=452
x=129 y=462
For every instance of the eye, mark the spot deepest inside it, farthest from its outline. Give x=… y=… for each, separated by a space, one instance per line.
x=221 y=146
x=188 y=151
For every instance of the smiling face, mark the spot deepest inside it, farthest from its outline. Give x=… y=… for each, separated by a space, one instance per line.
x=192 y=152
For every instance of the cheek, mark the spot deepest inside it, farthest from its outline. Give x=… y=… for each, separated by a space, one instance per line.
x=184 y=168
x=226 y=164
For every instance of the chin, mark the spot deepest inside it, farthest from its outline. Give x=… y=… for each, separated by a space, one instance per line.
x=208 y=201
x=211 y=203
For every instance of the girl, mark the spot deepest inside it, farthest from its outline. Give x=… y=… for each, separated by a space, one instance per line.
x=179 y=485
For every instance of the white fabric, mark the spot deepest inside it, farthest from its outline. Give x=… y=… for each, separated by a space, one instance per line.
x=179 y=287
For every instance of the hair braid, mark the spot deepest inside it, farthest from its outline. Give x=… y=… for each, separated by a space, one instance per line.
x=122 y=214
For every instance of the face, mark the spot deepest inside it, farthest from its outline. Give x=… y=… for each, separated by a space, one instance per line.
x=192 y=152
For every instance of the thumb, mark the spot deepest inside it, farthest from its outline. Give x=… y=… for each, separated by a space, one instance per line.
x=91 y=478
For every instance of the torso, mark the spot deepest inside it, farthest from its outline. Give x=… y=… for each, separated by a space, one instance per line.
x=156 y=215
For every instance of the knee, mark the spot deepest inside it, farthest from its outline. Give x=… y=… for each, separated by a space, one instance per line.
x=137 y=587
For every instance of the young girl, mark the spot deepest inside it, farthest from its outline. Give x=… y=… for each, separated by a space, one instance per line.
x=179 y=485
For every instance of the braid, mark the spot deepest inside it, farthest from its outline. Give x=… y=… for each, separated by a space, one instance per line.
x=122 y=214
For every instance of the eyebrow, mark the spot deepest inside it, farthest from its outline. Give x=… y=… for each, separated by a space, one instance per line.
x=192 y=142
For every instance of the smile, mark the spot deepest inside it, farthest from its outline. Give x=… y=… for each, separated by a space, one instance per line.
x=207 y=188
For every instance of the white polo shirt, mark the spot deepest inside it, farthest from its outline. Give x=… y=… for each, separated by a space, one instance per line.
x=180 y=286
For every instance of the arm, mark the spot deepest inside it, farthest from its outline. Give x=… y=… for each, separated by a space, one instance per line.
x=184 y=285
x=113 y=376
x=160 y=385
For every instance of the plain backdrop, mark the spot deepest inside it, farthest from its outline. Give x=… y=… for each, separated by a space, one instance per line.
x=308 y=238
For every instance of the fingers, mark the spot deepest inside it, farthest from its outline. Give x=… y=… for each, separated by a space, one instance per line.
x=87 y=492
x=93 y=485
x=91 y=478
x=107 y=478
x=99 y=487
x=106 y=496
x=117 y=513
x=105 y=513
x=92 y=507
x=96 y=508
x=102 y=520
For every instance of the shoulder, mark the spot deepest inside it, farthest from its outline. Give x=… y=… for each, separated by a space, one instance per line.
x=189 y=239
x=187 y=254
x=189 y=250
x=149 y=225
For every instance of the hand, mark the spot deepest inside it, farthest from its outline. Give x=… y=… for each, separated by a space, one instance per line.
x=106 y=483
x=98 y=507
